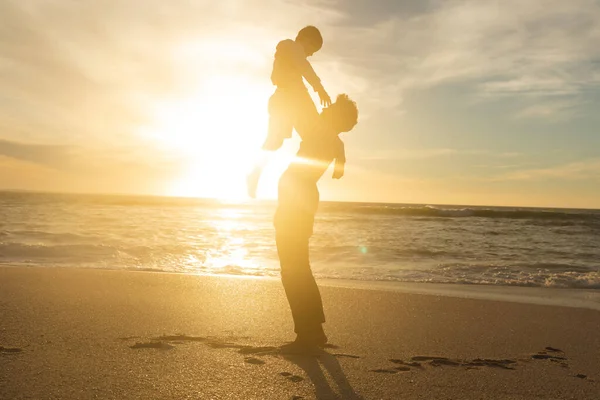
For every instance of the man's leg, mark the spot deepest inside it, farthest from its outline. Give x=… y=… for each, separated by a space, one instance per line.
x=301 y=288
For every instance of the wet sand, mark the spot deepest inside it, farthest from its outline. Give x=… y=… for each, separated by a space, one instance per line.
x=84 y=334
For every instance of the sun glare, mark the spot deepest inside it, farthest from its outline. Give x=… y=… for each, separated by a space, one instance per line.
x=217 y=129
x=218 y=133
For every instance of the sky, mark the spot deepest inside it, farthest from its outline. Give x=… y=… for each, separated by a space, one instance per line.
x=460 y=102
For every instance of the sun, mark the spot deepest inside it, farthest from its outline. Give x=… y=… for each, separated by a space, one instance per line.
x=217 y=133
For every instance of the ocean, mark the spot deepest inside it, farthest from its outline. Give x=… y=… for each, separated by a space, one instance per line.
x=503 y=246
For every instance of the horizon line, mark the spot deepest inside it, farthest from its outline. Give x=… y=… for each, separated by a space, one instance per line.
x=249 y=201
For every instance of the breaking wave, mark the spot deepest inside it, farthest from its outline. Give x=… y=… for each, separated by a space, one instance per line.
x=477 y=212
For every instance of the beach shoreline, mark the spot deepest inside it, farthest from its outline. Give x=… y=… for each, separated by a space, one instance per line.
x=550 y=296
x=562 y=297
x=92 y=333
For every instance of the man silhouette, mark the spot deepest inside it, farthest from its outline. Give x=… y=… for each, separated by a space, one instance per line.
x=298 y=199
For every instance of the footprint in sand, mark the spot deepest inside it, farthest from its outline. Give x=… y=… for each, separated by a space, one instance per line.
x=557 y=356
x=434 y=361
x=385 y=371
x=209 y=341
x=166 y=342
x=217 y=344
x=449 y=363
x=252 y=360
x=291 y=377
x=427 y=358
x=152 y=345
x=257 y=350
x=563 y=364
x=491 y=363
x=10 y=349
x=407 y=364
x=341 y=355
x=181 y=338
x=541 y=356
x=552 y=354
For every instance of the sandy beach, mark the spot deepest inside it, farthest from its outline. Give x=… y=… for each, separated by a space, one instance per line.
x=86 y=334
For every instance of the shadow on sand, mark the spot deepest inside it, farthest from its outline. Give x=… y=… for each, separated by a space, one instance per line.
x=315 y=368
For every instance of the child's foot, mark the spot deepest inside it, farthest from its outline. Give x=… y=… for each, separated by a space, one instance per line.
x=252 y=183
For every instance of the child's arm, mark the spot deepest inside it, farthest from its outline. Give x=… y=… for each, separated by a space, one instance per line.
x=340 y=161
x=310 y=75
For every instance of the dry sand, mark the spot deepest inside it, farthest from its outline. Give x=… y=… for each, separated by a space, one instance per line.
x=86 y=334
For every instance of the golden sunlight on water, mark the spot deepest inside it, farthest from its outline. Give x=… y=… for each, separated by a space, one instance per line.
x=231 y=250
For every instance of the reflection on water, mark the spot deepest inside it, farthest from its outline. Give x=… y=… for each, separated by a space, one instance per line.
x=231 y=254
x=351 y=241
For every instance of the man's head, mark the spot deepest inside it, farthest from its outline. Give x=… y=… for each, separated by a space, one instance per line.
x=342 y=115
x=310 y=38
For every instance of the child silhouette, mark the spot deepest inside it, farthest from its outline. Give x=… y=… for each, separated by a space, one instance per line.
x=291 y=106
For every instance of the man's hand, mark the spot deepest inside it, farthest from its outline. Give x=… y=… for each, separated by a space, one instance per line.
x=325 y=99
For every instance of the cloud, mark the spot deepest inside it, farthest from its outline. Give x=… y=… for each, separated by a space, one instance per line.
x=537 y=49
x=78 y=79
x=86 y=162
x=53 y=156
x=82 y=69
x=92 y=71
x=550 y=110
x=407 y=154
x=428 y=153
x=580 y=170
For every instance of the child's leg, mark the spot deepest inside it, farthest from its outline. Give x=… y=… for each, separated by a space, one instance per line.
x=254 y=176
x=305 y=114
x=280 y=128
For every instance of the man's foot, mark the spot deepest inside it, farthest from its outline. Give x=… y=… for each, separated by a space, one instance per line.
x=317 y=338
x=314 y=336
x=309 y=341
x=301 y=347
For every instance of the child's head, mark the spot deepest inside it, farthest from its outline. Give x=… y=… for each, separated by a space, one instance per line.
x=310 y=38
x=342 y=115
